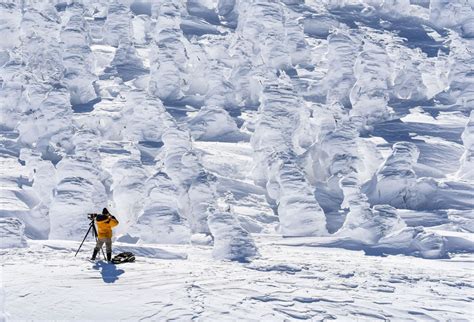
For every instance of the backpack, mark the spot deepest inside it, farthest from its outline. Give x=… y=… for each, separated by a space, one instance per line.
x=125 y=257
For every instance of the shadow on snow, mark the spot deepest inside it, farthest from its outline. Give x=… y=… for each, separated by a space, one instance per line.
x=109 y=271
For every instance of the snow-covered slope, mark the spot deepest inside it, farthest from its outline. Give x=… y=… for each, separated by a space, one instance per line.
x=339 y=123
x=146 y=108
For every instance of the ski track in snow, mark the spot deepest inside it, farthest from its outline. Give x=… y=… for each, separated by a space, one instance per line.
x=45 y=282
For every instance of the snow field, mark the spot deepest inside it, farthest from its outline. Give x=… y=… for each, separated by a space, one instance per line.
x=285 y=283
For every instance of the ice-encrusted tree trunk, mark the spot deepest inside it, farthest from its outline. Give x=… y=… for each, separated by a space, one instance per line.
x=79 y=191
x=44 y=108
x=12 y=231
x=46 y=126
x=245 y=51
x=271 y=34
x=245 y=77
x=197 y=200
x=196 y=185
x=160 y=221
x=79 y=188
x=298 y=211
x=141 y=27
x=43 y=176
x=144 y=119
x=128 y=188
x=276 y=163
x=35 y=77
x=457 y=16
x=41 y=51
x=262 y=23
x=340 y=78
x=369 y=95
x=461 y=83
x=395 y=181
x=168 y=57
x=267 y=38
x=117 y=27
x=231 y=241
x=10 y=65
x=466 y=170
x=408 y=80
x=298 y=48
x=344 y=168
x=78 y=59
x=168 y=60
x=333 y=157
x=453 y=14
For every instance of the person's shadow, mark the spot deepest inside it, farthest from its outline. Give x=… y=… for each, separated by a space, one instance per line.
x=109 y=271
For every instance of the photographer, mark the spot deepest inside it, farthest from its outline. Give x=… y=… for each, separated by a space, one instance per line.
x=105 y=223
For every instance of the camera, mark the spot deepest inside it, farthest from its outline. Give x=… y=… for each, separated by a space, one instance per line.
x=91 y=216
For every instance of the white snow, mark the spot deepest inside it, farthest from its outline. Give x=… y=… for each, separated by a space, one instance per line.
x=285 y=283
x=267 y=160
x=231 y=241
x=12 y=231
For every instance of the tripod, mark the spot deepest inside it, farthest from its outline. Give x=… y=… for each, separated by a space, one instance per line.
x=91 y=226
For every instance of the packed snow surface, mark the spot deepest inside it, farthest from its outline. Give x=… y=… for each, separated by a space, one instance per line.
x=208 y=127
x=285 y=283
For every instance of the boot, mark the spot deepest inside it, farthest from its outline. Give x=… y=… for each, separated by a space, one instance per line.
x=109 y=256
x=94 y=254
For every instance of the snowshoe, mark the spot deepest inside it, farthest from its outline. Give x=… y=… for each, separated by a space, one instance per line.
x=125 y=257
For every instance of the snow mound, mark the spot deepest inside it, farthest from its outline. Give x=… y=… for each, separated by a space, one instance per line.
x=126 y=64
x=150 y=252
x=414 y=241
x=212 y=122
x=396 y=184
x=142 y=250
x=370 y=225
x=381 y=230
x=231 y=241
x=12 y=231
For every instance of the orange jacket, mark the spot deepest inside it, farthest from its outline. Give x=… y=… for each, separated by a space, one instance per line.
x=105 y=225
